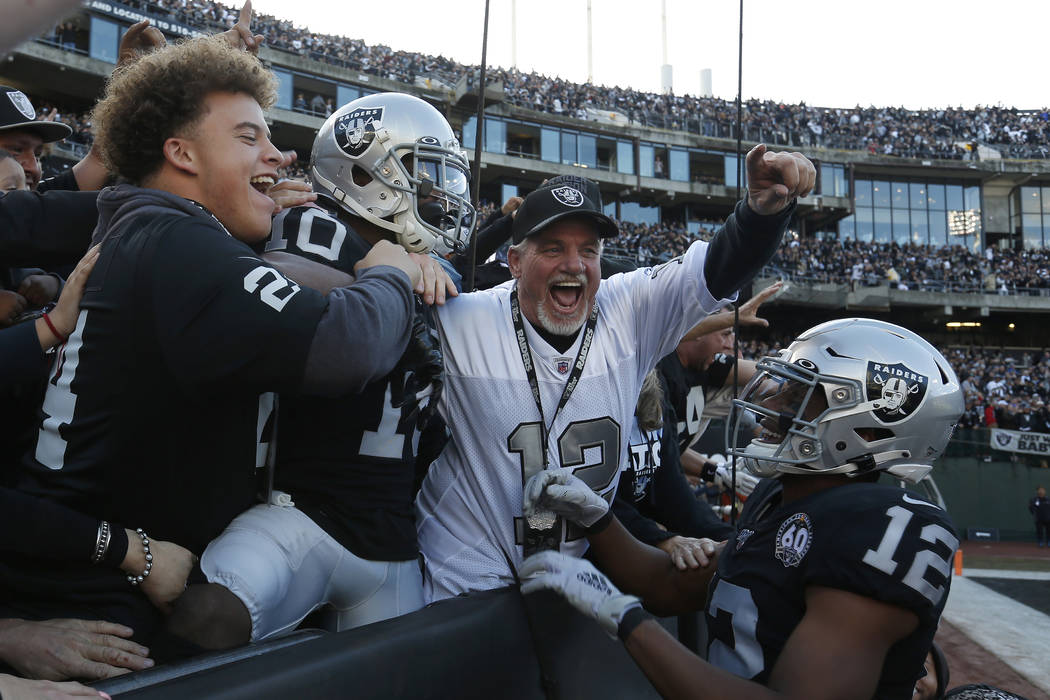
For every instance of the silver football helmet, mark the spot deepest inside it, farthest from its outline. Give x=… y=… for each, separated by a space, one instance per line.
x=393 y=160
x=849 y=397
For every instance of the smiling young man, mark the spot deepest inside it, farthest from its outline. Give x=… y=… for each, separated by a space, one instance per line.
x=153 y=415
x=545 y=370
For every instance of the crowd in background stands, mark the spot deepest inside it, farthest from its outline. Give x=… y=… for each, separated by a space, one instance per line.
x=916 y=267
x=934 y=133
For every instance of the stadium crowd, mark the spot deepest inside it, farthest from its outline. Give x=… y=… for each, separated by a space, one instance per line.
x=949 y=133
x=153 y=330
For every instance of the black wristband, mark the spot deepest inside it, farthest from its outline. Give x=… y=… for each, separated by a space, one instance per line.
x=118 y=547
x=631 y=619
x=600 y=524
x=708 y=471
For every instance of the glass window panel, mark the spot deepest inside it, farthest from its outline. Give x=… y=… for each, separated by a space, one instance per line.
x=1044 y=195
x=863 y=220
x=862 y=193
x=827 y=179
x=901 y=225
x=588 y=150
x=847 y=228
x=972 y=198
x=679 y=165
x=508 y=191
x=938 y=228
x=495 y=135
x=955 y=196
x=1030 y=200
x=284 y=89
x=918 y=195
x=609 y=209
x=639 y=214
x=880 y=193
x=841 y=185
x=899 y=194
x=345 y=94
x=104 y=37
x=1031 y=225
x=935 y=196
x=550 y=145
x=883 y=227
x=625 y=157
x=920 y=228
x=470 y=130
x=568 y=147
x=645 y=160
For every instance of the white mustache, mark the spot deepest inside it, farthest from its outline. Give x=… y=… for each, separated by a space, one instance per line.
x=564 y=279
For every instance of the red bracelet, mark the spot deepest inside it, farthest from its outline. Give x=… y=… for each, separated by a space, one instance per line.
x=47 y=320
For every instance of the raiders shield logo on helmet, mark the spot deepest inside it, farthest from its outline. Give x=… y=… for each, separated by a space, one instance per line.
x=898 y=389
x=355 y=130
x=569 y=196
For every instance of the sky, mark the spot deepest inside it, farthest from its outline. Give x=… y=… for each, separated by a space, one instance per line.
x=915 y=53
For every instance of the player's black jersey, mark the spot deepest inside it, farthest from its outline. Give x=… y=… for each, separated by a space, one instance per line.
x=686 y=389
x=349 y=462
x=874 y=540
x=151 y=412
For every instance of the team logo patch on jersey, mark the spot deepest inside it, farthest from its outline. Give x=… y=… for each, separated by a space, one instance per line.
x=355 y=130
x=793 y=539
x=562 y=364
x=898 y=388
x=569 y=196
x=22 y=104
x=741 y=537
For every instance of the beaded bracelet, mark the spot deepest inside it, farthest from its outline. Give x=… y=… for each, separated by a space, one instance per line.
x=136 y=580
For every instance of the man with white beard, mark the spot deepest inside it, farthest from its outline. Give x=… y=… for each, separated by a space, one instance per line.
x=545 y=370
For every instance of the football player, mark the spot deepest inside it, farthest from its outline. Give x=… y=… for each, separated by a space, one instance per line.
x=385 y=167
x=546 y=370
x=834 y=584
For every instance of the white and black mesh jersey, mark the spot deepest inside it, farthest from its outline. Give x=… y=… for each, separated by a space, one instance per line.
x=348 y=462
x=874 y=540
x=152 y=410
x=470 y=507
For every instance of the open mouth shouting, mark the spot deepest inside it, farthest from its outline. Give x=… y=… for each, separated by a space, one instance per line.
x=567 y=294
x=263 y=183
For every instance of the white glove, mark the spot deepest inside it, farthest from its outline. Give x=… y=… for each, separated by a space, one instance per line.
x=745 y=481
x=558 y=491
x=586 y=589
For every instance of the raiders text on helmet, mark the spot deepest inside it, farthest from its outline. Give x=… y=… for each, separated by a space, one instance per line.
x=849 y=397
x=393 y=160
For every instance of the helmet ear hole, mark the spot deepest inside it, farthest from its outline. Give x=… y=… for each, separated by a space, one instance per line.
x=874 y=434
x=360 y=177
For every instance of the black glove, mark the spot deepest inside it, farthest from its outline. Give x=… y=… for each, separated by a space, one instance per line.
x=423 y=366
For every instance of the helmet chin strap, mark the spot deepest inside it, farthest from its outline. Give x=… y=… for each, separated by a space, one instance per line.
x=855 y=467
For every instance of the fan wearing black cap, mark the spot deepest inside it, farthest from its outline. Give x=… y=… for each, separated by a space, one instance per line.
x=545 y=370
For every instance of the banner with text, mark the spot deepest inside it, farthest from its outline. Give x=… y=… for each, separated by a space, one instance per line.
x=1016 y=441
x=115 y=9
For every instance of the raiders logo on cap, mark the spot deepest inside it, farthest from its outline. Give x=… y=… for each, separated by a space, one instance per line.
x=569 y=196
x=22 y=104
x=898 y=389
x=355 y=130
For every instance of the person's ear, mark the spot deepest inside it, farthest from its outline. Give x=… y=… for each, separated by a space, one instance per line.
x=514 y=262
x=182 y=155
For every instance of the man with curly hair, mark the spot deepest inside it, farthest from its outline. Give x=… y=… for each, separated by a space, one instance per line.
x=153 y=414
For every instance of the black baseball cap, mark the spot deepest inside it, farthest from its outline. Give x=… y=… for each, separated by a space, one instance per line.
x=557 y=199
x=17 y=112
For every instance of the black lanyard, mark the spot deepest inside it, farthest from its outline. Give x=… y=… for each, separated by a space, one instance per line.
x=530 y=367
